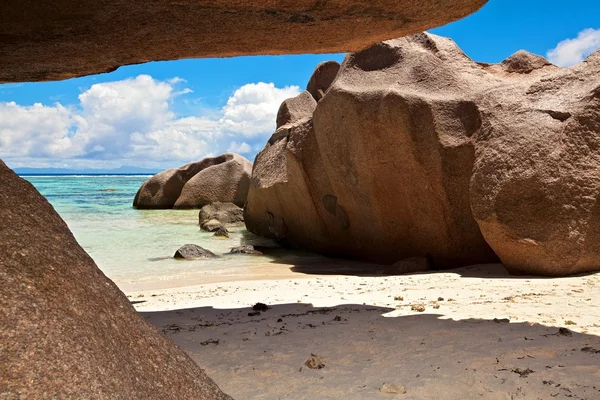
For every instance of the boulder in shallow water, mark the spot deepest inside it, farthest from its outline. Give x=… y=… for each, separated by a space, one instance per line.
x=163 y=189
x=193 y=251
x=221 y=232
x=66 y=330
x=223 y=178
x=211 y=225
x=245 y=249
x=226 y=213
x=225 y=182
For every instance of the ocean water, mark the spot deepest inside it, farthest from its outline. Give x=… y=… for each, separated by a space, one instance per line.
x=135 y=247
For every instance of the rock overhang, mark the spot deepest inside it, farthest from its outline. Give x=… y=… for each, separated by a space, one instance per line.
x=60 y=39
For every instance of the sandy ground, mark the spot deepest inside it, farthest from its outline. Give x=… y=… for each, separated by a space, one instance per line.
x=469 y=333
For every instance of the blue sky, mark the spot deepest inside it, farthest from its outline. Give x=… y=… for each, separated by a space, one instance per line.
x=177 y=111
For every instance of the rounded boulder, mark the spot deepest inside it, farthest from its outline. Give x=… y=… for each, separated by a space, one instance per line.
x=226 y=181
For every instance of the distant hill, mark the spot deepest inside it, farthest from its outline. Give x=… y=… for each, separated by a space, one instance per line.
x=125 y=170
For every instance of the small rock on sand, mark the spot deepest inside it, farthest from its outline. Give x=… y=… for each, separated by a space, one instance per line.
x=392 y=389
x=418 y=307
x=260 y=307
x=314 y=362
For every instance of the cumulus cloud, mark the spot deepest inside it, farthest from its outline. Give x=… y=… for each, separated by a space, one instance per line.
x=573 y=51
x=35 y=131
x=242 y=148
x=133 y=121
x=252 y=108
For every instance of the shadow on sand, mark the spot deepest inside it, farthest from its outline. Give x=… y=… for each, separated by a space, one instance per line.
x=498 y=271
x=338 y=266
x=334 y=266
x=263 y=356
x=305 y=262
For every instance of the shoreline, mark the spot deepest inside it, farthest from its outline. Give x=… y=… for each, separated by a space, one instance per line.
x=285 y=265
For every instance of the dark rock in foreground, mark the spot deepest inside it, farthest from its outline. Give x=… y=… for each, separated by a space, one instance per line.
x=193 y=251
x=260 y=307
x=417 y=151
x=66 y=331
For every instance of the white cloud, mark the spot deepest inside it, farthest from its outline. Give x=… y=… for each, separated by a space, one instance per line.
x=133 y=122
x=573 y=51
x=176 y=80
x=242 y=148
x=35 y=131
x=253 y=108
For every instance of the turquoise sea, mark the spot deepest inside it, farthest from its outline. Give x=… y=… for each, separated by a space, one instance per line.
x=135 y=247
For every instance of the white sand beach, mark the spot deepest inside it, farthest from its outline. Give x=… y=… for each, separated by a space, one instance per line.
x=473 y=332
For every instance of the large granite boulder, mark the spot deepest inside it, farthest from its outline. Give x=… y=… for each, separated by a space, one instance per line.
x=535 y=189
x=417 y=151
x=280 y=202
x=376 y=174
x=164 y=188
x=61 y=39
x=226 y=181
x=223 y=178
x=66 y=331
x=278 y=187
